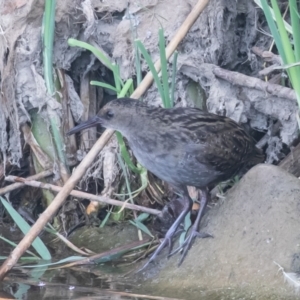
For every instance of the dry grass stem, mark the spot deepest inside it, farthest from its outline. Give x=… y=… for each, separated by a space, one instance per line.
x=82 y=195
x=18 y=185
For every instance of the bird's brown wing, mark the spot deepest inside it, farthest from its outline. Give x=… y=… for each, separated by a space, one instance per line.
x=221 y=145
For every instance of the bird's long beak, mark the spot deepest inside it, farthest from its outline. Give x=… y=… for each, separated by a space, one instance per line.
x=84 y=125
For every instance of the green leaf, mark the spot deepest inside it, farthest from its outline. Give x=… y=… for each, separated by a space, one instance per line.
x=141 y=226
x=142 y=217
x=164 y=69
x=273 y=28
x=174 y=70
x=102 y=57
x=35 y=257
x=104 y=85
x=125 y=153
x=38 y=245
x=286 y=25
x=48 y=38
x=151 y=67
x=296 y=27
x=187 y=224
x=126 y=88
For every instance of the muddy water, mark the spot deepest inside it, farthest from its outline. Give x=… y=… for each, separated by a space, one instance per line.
x=103 y=282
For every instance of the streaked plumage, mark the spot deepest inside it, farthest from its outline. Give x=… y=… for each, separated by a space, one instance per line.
x=182 y=146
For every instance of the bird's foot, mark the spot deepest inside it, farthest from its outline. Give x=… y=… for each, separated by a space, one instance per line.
x=166 y=241
x=185 y=247
x=194 y=231
x=169 y=235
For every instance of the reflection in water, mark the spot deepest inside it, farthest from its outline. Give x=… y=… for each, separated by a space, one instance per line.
x=104 y=282
x=98 y=282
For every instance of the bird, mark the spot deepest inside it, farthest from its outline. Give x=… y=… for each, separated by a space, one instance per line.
x=182 y=146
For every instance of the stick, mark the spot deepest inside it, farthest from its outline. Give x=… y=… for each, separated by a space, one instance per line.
x=101 y=142
x=255 y=83
x=267 y=55
x=15 y=186
x=82 y=195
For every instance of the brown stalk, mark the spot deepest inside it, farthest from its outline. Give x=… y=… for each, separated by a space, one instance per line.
x=254 y=83
x=82 y=195
x=91 y=259
x=87 y=161
x=18 y=185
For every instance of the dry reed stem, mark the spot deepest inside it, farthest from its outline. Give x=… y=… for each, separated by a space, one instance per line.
x=237 y=78
x=18 y=185
x=82 y=195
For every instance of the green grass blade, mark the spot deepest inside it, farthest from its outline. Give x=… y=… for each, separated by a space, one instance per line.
x=293 y=72
x=35 y=257
x=296 y=27
x=126 y=90
x=38 y=245
x=164 y=69
x=174 y=70
x=142 y=217
x=141 y=226
x=119 y=214
x=187 y=224
x=103 y=223
x=125 y=153
x=138 y=64
x=104 y=60
x=104 y=85
x=116 y=74
x=48 y=38
x=287 y=47
x=151 y=67
x=287 y=26
x=273 y=29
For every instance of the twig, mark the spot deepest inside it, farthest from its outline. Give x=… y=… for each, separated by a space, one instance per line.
x=82 y=195
x=119 y=250
x=255 y=83
x=87 y=161
x=267 y=55
x=18 y=185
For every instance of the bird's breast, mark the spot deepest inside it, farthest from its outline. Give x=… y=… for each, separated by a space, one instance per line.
x=172 y=164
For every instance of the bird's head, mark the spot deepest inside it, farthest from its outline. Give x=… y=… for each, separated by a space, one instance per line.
x=117 y=115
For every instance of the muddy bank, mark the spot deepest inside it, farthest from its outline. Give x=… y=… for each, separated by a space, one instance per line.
x=255 y=229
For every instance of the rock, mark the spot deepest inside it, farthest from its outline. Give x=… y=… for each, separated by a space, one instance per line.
x=254 y=227
x=103 y=239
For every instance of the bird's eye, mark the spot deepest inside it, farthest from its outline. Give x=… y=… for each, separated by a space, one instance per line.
x=109 y=114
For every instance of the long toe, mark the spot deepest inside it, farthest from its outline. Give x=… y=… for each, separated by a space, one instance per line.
x=187 y=204
x=189 y=241
x=166 y=241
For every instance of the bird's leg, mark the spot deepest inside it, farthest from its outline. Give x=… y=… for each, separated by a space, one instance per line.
x=187 y=205
x=194 y=230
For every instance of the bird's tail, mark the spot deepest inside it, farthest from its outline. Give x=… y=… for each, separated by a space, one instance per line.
x=258 y=157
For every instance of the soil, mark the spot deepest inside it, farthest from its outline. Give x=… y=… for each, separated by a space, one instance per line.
x=255 y=248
